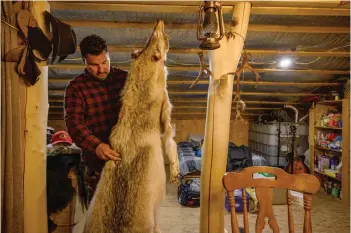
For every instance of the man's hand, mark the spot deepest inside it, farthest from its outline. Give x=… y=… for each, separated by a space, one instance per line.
x=104 y=152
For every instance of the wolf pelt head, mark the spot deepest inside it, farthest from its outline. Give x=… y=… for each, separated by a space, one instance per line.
x=156 y=47
x=143 y=92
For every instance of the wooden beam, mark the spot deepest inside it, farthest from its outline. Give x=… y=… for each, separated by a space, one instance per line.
x=274 y=3
x=233 y=107
x=192 y=26
x=201 y=113
x=217 y=124
x=261 y=83
x=250 y=83
x=204 y=101
x=129 y=49
x=256 y=10
x=58 y=108
x=196 y=68
x=247 y=93
x=61 y=92
x=198 y=100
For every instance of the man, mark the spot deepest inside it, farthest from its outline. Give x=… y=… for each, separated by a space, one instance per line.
x=92 y=105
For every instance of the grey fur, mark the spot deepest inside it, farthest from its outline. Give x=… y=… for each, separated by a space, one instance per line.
x=128 y=195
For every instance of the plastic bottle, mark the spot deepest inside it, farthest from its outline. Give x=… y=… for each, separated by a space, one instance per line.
x=332 y=163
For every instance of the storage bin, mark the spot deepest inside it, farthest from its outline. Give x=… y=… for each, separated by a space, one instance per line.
x=238 y=201
x=272 y=128
x=272 y=160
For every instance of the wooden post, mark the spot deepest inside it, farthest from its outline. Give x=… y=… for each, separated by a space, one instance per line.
x=35 y=211
x=311 y=138
x=345 y=157
x=219 y=100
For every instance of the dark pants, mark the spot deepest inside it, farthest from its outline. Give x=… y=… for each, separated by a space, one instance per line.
x=92 y=175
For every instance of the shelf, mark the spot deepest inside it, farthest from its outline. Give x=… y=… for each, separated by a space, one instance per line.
x=322 y=173
x=327 y=149
x=330 y=102
x=323 y=127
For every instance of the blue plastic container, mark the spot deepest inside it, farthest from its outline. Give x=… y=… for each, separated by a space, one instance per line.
x=238 y=201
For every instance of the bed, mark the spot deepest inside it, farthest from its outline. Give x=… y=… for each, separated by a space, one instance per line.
x=190 y=163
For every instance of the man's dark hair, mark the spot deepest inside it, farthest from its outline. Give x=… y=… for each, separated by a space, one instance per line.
x=93 y=45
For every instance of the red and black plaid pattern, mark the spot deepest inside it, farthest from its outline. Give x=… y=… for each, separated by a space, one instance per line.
x=91 y=110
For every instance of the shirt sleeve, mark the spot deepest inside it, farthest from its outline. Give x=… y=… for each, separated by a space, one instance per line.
x=74 y=118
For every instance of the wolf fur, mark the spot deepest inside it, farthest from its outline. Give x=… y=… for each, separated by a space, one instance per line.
x=128 y=195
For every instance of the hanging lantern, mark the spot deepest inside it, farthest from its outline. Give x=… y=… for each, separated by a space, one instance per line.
x=208 y=25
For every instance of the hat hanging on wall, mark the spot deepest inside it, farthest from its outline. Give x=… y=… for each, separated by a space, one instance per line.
x=64 y=39
x=34 y=46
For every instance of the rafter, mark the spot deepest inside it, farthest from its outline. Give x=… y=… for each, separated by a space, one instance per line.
x=256 y=9
x=204 y=100
x=177 y=101
x=196 y=68
x=249 y=83
x=61 y=92
x=193 y=107
x=191 y=26
x=129 y=49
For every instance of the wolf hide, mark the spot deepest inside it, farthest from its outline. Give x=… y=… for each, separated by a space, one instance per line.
x=129 y=194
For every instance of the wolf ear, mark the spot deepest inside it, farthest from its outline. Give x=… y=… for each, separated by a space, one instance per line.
x=157 y=54
x=136 y=54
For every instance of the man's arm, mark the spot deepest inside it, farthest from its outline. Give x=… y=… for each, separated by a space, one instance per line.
x=74 y=118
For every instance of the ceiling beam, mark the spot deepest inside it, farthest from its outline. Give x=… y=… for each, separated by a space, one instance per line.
x=204 y=113
x=256 y=9
x=198 y=100
x=197 y=68
x=233 y=107
x=130 y=49
x=176 y=108
x=170 y=92
x=192 y=26
x=249 y=83
x=275 y=3
x=204 y=101
x=175 y=113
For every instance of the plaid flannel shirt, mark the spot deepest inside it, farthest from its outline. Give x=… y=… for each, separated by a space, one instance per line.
x=91 y=110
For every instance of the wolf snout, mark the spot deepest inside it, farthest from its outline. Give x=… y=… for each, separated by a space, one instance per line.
x=160 y=25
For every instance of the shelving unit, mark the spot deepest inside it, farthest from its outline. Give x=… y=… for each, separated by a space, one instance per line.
x=322 y=173
x=333 y=128
x=315 y=112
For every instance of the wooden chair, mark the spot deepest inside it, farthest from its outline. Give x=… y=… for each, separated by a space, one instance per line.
x=308 y=184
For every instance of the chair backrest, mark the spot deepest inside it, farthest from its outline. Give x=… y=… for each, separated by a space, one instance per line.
x=308 y=184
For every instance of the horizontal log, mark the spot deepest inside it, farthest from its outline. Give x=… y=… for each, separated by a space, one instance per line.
x=226 y=9
x=193 y=26
x=58 y=108
x=197 y=68
x=198 y=100
x=202 y=101
x=59 y=114
x=61 y=92
x=252 y=83
x=203 y=113
x=233 y=107
x=129 y=49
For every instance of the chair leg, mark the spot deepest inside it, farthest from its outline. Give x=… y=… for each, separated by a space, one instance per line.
x=307 y=203
x=234 y=220
x=290 y=216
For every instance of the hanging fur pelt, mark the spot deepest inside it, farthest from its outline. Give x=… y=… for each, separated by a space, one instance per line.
x=128 y=195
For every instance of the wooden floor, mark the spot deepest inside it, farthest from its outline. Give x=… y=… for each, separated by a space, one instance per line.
x=328 y=216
